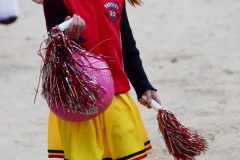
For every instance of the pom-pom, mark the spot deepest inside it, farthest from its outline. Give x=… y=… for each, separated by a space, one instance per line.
x=76 y=84
x=182 y=142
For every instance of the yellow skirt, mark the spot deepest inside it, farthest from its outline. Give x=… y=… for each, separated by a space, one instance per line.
x=116 y=134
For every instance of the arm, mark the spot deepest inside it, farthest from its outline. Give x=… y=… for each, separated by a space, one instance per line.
x=132 y=62
x=56 y=12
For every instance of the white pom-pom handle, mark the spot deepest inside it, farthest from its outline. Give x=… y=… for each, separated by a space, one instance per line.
x=153 y=103
x=63 y=26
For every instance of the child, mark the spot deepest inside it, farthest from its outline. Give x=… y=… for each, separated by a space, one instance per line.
x=117 y=133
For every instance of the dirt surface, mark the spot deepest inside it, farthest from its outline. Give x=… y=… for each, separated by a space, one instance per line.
x=191 y=53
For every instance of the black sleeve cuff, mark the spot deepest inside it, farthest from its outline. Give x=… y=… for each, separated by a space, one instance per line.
x=81 y=39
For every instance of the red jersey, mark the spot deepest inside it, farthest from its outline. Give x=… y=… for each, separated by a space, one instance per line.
x=102 y=20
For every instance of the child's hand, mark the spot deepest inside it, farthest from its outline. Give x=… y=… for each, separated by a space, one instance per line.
x=75 y=28
x=150 y=94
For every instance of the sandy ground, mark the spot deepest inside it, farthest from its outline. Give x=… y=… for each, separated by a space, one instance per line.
x=191 y=53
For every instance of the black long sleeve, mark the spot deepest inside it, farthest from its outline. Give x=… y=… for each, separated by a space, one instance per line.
x=55 y=12
x=132 y=62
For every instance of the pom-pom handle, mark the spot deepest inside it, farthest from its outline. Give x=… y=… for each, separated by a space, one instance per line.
x=153 y=103
x=63 y=26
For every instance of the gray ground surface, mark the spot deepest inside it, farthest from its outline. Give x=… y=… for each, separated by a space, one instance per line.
x=191 y=53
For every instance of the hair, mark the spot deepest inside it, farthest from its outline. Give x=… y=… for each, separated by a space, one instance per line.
x=135 y=2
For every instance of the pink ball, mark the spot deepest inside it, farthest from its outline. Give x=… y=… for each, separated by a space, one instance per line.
x=104 y=78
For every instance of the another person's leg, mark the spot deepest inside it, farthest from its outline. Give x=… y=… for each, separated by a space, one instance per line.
x=9 y=11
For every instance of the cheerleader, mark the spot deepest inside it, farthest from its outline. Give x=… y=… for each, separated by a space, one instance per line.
x=117 y=133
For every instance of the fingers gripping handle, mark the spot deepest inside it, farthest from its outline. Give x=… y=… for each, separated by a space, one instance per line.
x=153 y=104
x=63 y=26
